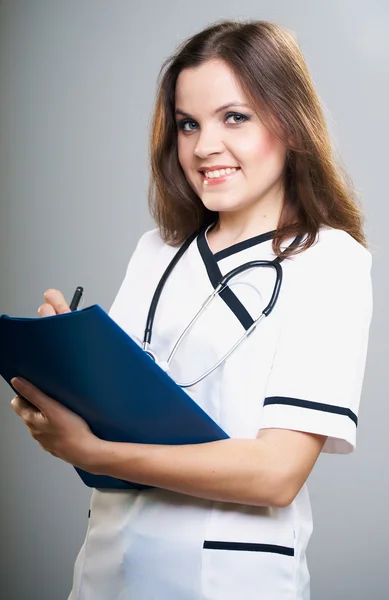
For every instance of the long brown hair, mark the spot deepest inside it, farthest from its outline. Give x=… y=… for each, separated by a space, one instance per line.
x=273 y=74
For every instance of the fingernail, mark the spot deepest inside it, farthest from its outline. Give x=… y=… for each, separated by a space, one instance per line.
x=17 y=381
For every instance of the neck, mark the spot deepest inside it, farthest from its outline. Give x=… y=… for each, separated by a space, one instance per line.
x=254 y=220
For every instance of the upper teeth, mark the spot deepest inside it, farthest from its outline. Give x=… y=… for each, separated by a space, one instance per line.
x=221 y=173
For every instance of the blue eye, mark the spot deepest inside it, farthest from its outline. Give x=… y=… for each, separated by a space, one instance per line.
x=181 y=124
x=241 y=119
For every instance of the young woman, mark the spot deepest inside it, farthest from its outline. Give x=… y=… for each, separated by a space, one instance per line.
x=242 y=167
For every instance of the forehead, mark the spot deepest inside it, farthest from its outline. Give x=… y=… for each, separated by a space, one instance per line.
x=207 y=86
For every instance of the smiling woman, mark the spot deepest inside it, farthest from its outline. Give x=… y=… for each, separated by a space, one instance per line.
x=241 y=174
x=254 y=189
x=248 y=101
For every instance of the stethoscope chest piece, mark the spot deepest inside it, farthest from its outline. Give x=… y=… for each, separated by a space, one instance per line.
x=163 y=364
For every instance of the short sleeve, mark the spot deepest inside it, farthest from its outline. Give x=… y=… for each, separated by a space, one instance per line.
x=317 y=373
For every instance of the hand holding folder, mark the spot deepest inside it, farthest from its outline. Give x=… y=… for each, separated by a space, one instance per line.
x=85 y=361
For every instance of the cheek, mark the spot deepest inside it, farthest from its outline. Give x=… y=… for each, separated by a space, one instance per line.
x=183 y=152
x=259 y=149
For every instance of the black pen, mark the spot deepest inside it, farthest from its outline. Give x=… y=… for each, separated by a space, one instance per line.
x=76 y=298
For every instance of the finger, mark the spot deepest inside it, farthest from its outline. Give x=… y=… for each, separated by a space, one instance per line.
x=46 y=310
x=26 y=411
x=57 y=300
x=44 y=403
x=21 y=405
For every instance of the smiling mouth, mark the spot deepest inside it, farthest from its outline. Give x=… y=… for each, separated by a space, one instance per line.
x=219 y=176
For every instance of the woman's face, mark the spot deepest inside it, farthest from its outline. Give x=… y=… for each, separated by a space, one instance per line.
x=213 y=136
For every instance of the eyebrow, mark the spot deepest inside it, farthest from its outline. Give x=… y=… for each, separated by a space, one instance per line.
x=178 y=111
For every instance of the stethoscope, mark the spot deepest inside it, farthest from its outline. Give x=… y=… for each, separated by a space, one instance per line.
x=223 y=283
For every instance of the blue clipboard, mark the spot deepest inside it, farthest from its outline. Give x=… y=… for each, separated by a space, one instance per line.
x=85 y=361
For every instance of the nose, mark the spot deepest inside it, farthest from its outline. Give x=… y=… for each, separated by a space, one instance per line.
x=209 y=142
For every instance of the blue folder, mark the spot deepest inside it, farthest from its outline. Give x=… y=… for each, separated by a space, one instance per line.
x=85 y=361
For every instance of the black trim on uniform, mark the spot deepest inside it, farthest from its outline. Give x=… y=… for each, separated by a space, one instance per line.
x=339 y=410
x=258 y=239
x=215 y=276
x=248 y=547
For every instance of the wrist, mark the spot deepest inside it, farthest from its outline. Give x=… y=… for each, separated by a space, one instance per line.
x=96 y=456
x=116 y=459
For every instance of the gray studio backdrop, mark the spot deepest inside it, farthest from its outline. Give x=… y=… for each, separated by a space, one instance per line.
x=77 y=83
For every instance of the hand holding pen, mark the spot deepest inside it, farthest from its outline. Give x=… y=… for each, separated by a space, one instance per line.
x=56 y=304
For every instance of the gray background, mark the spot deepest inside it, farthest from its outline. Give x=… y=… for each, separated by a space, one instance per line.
x=77 y=84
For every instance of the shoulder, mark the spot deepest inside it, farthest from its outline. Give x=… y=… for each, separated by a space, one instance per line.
x=336 y=266
x=334 y=251
x=150 y=241
x=336 y=243
x=148 y=246
x=138 y=275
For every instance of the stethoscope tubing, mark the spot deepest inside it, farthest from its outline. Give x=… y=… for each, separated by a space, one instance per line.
x=276 y=264
x=158 y=292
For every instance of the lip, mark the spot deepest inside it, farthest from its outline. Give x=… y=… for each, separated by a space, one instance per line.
x=218 y=167
x=217 y=180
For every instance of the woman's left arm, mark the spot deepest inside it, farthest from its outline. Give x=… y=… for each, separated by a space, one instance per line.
x=266 y=471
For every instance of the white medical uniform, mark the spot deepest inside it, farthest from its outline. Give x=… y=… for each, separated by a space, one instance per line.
x=301 y=369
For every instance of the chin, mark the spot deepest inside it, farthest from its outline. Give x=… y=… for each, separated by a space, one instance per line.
x=218 y=205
